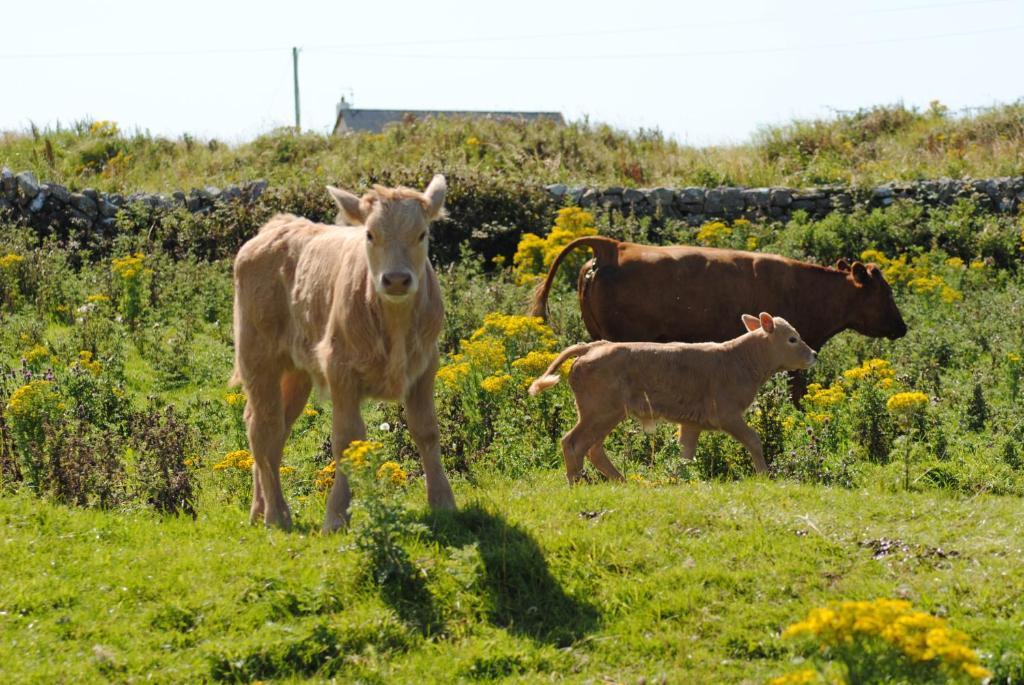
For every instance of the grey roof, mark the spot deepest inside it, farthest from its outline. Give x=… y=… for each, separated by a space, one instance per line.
x=374 y=120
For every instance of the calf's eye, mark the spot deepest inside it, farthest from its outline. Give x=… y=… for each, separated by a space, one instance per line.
x=422 y=236
x=792 y=341
x=369 y=236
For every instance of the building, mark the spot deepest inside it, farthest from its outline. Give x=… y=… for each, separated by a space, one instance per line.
x=349 y=119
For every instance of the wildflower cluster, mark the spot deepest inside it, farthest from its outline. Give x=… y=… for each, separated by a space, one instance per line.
x=714 y=234
x=535 y=254
x=393 y=473
x=876 y=371
x=917 y=274
x=104 y=129
x=235 y=399
x=131 y=277
x=86 y=361
x=907 y=403
x=37 y=353
x=488 y=357
x=238 y=459
x=886 y=636
x=356 y=455
x=10 y=260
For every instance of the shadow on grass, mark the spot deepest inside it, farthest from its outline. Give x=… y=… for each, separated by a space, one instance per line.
x=523 y=597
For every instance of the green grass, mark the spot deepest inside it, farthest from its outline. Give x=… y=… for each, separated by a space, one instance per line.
x=873 y=145
x=531 y=580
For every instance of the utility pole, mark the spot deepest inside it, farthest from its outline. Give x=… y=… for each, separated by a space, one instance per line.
x=295 y=74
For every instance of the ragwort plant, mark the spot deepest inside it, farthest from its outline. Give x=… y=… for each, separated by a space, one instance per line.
x=882 y=640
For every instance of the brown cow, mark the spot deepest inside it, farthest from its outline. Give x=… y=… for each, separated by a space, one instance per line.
x=631 y=292
x=700 y=386
x=355 y=310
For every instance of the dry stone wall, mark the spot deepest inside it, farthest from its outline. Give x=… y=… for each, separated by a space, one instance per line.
x=697 y=205
x=52 y=207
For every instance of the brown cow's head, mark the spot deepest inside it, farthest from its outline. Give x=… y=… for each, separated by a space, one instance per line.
x=874 y=312
x=785 y=348
x=397 y=222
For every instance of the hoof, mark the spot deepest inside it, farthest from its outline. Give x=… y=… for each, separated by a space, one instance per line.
x=333 y=523
x=443 y=500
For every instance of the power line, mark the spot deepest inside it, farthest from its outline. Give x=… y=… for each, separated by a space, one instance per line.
x=349 y=48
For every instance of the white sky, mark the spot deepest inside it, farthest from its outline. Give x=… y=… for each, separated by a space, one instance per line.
x=708 y=72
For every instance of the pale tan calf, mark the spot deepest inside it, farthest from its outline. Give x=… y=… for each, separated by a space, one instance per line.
x=355 y=310
x=700 y=386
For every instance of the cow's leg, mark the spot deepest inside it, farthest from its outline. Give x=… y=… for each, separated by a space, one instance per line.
x=749 y=438
x=264 y=418
x=346 y=425
x=422 y=418
x=688 y=440
x=797 y=386
x=599 y=458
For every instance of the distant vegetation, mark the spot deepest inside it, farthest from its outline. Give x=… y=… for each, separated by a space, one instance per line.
x=884 y=143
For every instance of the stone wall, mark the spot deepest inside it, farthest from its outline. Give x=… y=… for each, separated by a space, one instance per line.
x=697 y=205
x=52 y=207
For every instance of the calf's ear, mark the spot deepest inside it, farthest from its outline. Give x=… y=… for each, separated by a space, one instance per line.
x=860 y=273
x=751 y=322
x=435 y=192
x=348 y=204
x=767 y=322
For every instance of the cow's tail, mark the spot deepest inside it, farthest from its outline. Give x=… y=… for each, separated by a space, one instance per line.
x=605 y=250
x=550 y=377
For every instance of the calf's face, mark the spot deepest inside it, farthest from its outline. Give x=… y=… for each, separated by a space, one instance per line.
x=397 y=226
x=785 y=348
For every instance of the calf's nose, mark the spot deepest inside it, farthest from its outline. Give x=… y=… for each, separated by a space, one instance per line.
x=396 y=282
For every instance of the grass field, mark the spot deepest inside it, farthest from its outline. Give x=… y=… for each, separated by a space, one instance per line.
x=530 y=580
x=124 y=480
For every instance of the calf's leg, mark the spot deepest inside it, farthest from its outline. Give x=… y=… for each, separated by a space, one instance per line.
x=346 y=425
x=585 y=438
x=599 y=458
x=688 y=440
x=749 y=438
x=264 y=418
x=422 y=418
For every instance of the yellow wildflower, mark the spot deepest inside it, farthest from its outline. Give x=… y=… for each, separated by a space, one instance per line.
x=130 y=266
x=713 y=234
x=355 y=455
x=285 y=470
x=495 y=384
x=872 y=369
x=907 y=402
x=451 y=374
x=752 y=242
x=874 y=256
x=10 y=260
x=309 y=411
x=977 y=265
x=955 y=262
x=98 y=298
x=807 y=675
x=473 y=141
x=393 y=473
x=512 y=326
x=32 y=399
x=86 y=361
x=1013 y=357
x=239 y=459
x=325 y=476
x=235 y=399
x=824 y=397
x=37 y=353
x=535 y=254
x=482 y=353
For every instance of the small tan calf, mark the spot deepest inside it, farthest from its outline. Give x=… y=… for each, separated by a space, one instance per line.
x=700 y=386
x=354 y=310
